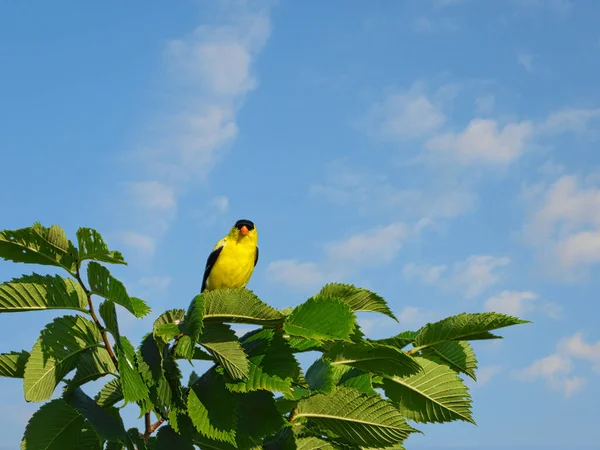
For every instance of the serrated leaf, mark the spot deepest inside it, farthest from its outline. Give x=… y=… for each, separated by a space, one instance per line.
x=258 y=417
x=356 y=417
x=222 y=343
x=39 y=292
x=55 y=426
x=322 y=376
x=238 y=305
x=212 y=408
x=108 y=312
x=167 y=331
x=358 y=299
x=56 y=353
x=399 y=341
x=359 y=380
x=38 y=245
x=88 y=440
x=106 y=425
x=436 y=394
x=321 y=319
x=315 y=443
x=463 y=327
x=110 y=394
x=140 y=307
x=93 y=364
x=184 y=348
x=272 y=364
x=299 y=345
x=102 y=283
x=12 y=364
x=372 y=357
x=92 y=246
x=194 y=318
x=172 y=316
x=134 y=388
x=149 y=358
x=458 y=354
x=168 y=439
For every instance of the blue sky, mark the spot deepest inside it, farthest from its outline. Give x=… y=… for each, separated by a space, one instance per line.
x=443 y=153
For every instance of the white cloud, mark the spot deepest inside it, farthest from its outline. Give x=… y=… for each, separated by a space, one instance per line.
x=573 y=120
x=427 y=274
x=414 y=317
x=557 y=369
x=526 y=61
x=521 y=304
x=220 y=203
x=564 y=223
x=160 y=283
x=142 y=243
x=405 y=115
x=377 y=246
x=483 y=141
x=153 y=195
x=210 y=71
x=292 y=272
x=486 y=373
x=374 y=192
x=472 y=276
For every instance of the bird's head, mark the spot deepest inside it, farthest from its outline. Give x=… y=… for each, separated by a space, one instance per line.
x=244 y=229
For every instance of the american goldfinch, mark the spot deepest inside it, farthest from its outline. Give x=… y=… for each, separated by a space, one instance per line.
x=233 y=258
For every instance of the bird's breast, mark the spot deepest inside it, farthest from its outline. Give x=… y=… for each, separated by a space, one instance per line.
x=233 y=268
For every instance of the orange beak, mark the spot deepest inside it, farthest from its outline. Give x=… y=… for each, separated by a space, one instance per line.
x=244 y=231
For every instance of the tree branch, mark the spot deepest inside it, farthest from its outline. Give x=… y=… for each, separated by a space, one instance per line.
x=88 y=293
x=151 y=427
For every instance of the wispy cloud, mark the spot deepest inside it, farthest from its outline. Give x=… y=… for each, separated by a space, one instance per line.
x=374 y=247
x=564 y=224
x=557 y=369
x=210 y=72
x=521 y=304
x=473 y=276
x=526 y=61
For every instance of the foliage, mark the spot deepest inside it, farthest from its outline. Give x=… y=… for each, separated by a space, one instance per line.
x=360 y=393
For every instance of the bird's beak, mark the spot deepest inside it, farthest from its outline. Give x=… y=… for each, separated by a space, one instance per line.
x=244 y=231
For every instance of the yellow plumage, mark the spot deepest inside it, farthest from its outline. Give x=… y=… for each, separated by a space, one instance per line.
x=232 y=260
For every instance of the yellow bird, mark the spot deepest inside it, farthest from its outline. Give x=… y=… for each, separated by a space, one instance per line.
x=233 y=259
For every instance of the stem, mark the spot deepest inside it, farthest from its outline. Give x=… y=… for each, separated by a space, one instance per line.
x=151 y=427
x=88 y=293
x=412 y=351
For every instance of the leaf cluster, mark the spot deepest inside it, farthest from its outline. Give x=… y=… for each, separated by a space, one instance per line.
x=359 y=394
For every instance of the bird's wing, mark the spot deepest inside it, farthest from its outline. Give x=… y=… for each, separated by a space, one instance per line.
x=212 y=259
x=256 y=256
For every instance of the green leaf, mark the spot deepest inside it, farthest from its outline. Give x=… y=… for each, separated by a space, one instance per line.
x=12 y=364
x=272 y=364
x=372 y=357
x=175 y=316
x=167 y=331
x=106 y=425
x=238 y=305
x=322 y=319
x=399 y=341
x=134 y=388
x=92 y=246
x=93 y=364
x=108 y=312
x=258 y=417
x=193 y=318
x=88 y=440
x=212 y=408
x=463 y=327
x=140 y=307
x=457 y=354
x=322 y=376
x=315 y=443
x=110 y=394
x=55 y=426
x=38 y=292
x=356 y=417
x=56 y=353
x=102 y=283
x=299 y=345
x=222 y=343
x=38 y=245
x=149 y=359
x=359 y=380
x=437 y=394
x=358 y=299
x=168 y=439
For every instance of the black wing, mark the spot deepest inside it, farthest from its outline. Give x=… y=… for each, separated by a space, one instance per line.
x=210 y=262
x=256 y=256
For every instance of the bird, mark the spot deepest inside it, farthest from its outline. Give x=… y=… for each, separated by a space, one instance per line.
x=233 y=258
